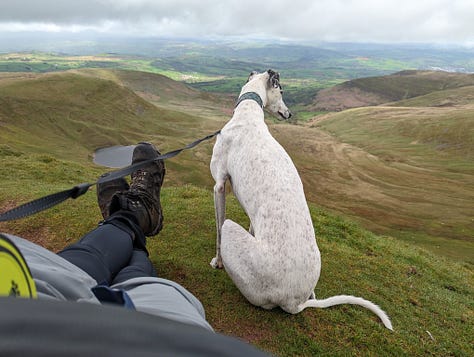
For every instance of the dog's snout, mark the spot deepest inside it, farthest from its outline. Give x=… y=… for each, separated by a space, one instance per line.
x=285 y=115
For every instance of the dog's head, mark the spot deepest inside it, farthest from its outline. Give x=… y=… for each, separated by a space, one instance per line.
x=275 y=102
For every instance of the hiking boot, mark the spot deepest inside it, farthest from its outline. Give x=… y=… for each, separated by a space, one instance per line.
x=106 y=190
x=143 y=197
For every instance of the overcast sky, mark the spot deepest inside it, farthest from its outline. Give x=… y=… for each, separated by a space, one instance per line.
x=439 y=21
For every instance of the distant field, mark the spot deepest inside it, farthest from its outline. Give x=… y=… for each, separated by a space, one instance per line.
x=42 y=63
x=222 y=69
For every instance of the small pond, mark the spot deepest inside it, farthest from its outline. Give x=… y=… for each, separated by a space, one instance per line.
x=114 y=156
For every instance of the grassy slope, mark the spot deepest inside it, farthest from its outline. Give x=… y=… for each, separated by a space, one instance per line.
x=444 y=98
x=422 y=159
x=377 y=90
x=409 y=84
x=424 y=295
x=170 y=94
x=73 y=115
x=420 y=292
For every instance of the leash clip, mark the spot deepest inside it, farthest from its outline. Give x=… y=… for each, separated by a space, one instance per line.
x=80 y=189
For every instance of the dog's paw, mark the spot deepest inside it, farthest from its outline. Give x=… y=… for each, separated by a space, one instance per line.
x=216 y=263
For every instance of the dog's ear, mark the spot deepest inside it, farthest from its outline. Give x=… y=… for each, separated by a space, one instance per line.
x=274 y=78
x=251 y=75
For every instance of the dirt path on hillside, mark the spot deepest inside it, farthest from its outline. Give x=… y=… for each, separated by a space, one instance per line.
x=387 y=196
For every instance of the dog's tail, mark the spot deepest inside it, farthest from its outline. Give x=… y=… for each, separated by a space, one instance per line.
x=348 y=299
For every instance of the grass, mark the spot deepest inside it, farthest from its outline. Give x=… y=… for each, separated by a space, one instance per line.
x=444 y=98
x=407 y=282
x=409 y=84
x=428 y=299
x=431 y=137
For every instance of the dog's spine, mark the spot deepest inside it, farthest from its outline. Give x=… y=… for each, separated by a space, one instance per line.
x=348 y=299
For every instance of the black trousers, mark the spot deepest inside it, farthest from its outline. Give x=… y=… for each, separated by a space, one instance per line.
x=113 y=252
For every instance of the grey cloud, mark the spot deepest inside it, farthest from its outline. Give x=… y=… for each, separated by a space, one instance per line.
x=339 y=20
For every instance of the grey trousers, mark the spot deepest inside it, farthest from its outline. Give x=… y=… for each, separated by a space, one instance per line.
x=57 y=278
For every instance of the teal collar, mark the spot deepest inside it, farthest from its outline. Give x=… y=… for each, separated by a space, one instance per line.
x=250 y=95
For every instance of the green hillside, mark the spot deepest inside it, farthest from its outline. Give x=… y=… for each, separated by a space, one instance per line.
x=412 y=171
x=49 y=127
x=53 y=112
x=444 y=98
x=409 y=84
x=383 y=89
x=69 y=116
x=428 y=298
x=167 y=93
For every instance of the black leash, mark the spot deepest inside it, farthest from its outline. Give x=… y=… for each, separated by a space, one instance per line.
x=46 y=202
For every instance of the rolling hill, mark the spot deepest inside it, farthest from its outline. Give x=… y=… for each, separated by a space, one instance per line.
x=406 y=172
x=383 y=89
x=167 y=93
x=70 y=115
x=50 y=124
x=411 y=155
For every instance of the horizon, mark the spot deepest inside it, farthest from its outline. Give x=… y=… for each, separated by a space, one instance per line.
x=76 y=43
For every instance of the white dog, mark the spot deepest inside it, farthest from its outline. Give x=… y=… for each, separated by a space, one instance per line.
x=277 y=263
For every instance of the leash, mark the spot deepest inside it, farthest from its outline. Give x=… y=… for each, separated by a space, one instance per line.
x=49 y=201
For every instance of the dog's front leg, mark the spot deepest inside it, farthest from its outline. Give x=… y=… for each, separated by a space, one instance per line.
x=219 y=206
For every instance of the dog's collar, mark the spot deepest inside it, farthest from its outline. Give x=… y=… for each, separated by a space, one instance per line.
x=250 y=95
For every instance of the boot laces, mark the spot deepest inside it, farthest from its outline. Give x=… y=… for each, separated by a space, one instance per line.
x=140 y=180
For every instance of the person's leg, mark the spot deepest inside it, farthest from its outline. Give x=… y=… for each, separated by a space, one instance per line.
x=106 y=250
x=138 y=266
x=130 y=213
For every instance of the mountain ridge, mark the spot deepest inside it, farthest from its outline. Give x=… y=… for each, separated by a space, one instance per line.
x=378 y=90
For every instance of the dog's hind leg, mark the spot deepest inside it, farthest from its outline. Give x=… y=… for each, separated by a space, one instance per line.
x=244 y=262
x=219 y=206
